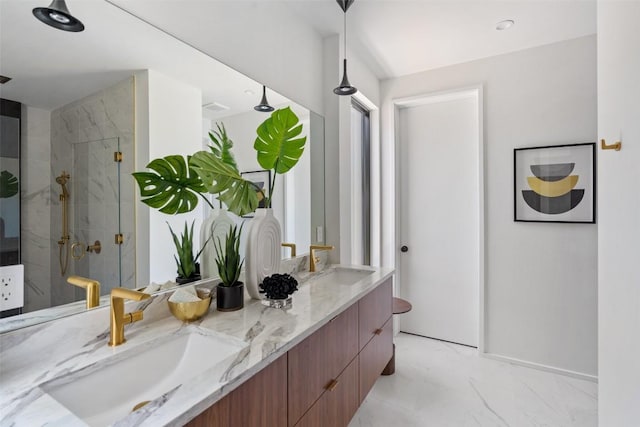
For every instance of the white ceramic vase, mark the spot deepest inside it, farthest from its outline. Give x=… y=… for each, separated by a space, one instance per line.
x=216 y=226
x=263 y=252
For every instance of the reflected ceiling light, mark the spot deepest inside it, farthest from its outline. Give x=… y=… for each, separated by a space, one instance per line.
x=264 y=106
x=249 y=92
x=345 y=87
x=504 y=25
x=57 y=15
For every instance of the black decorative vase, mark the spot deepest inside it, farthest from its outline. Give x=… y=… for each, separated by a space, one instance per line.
x=192 y=278
x=230 y=298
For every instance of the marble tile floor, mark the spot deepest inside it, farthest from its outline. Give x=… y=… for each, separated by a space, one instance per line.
x=438 y=384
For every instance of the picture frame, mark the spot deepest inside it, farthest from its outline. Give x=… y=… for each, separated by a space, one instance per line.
x=261 y=178
x=555 y=183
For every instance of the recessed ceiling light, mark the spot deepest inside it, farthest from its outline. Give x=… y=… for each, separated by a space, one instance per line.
x=504 y=25
x=249 y=92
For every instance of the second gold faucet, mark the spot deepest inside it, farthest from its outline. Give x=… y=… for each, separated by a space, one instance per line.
x=118 y=316
x=313 y=260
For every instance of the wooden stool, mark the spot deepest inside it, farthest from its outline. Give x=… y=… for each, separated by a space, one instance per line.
x=399 y=306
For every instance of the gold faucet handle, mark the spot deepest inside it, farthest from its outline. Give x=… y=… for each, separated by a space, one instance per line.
x=133 y=317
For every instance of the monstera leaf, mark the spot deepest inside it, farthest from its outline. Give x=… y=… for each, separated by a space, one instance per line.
x=8 y=185
x=224 y=180
x=277 y=144
x=171 y=187
x=222 y=145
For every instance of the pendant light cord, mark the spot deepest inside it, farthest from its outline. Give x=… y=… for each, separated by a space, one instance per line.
x=345 y=34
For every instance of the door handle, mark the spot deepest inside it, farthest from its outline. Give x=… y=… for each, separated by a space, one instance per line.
x=404 y=248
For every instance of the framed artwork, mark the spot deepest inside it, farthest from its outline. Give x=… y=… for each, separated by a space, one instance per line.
x=555 y=183
x=261 y=180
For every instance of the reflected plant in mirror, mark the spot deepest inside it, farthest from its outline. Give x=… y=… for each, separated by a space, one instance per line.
x=188 y=266
x=93 y=125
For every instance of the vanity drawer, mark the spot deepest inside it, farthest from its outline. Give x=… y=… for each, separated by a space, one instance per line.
x=374 y=357
x=338 y=404
x=374 y=311
x=319 y=360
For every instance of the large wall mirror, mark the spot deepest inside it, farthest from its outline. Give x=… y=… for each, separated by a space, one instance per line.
x=93 y=106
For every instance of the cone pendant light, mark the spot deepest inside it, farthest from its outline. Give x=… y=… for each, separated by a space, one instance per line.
x=345 y=87
x=57 y=15
x=264 y=106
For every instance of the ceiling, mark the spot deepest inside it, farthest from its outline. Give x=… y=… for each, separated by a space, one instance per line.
x=399 y=37
x=51 y=68
x=392 y=37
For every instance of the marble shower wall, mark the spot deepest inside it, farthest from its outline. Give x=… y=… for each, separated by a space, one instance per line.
x=35 y=203
x=85 y=135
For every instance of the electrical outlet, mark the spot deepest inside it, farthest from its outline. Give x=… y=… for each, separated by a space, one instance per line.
x=11 y=287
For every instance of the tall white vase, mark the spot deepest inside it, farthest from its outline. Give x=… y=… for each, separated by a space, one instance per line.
x=263 y=253
x=216 y=226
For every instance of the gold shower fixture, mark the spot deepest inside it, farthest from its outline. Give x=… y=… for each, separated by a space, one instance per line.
x=63 y=243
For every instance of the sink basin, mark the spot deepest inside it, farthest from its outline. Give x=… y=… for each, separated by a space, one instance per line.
x=341 y=276
x=108 y=391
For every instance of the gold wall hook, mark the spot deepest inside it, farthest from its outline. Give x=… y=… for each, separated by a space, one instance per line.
x=617 y=146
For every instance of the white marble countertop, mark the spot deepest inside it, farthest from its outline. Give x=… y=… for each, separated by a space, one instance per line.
x=31 y=357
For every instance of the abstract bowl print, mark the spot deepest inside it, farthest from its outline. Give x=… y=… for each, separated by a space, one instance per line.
x=552 y=188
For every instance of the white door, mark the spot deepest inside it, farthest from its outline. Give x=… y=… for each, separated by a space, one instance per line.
x=440 y=217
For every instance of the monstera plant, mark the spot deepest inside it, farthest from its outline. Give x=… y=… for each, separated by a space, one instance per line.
x=174 y=183
x=8 y=185
x=279 y=145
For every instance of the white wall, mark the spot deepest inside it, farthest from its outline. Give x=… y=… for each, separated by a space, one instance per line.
x=541 y=291
x=262 y=39
x=172 y=111
x=619 y=204
x=338 y=154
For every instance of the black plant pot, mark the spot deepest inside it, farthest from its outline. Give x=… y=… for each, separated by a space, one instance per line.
x=192 y=278
x=230 y=298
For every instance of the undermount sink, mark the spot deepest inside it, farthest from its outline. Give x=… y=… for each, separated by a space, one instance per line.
x=108 y=391
x=341 y=276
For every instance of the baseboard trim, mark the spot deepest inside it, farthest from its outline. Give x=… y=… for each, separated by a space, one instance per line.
x=566 y=372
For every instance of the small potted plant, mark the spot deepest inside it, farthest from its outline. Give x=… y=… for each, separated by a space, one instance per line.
x=278 y=289
x=188 y=267
x=230 y=292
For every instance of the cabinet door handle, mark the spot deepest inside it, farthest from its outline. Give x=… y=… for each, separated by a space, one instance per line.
x=377 y=331
x=332 y=385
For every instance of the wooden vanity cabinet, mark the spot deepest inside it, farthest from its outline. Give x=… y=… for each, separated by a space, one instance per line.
x=321 y=381
x=316 y=362
x=259 y=402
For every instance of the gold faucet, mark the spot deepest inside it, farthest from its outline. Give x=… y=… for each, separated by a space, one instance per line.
x=92 y=287
x=312 y=255
x=293 y=248
x=118 y=316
